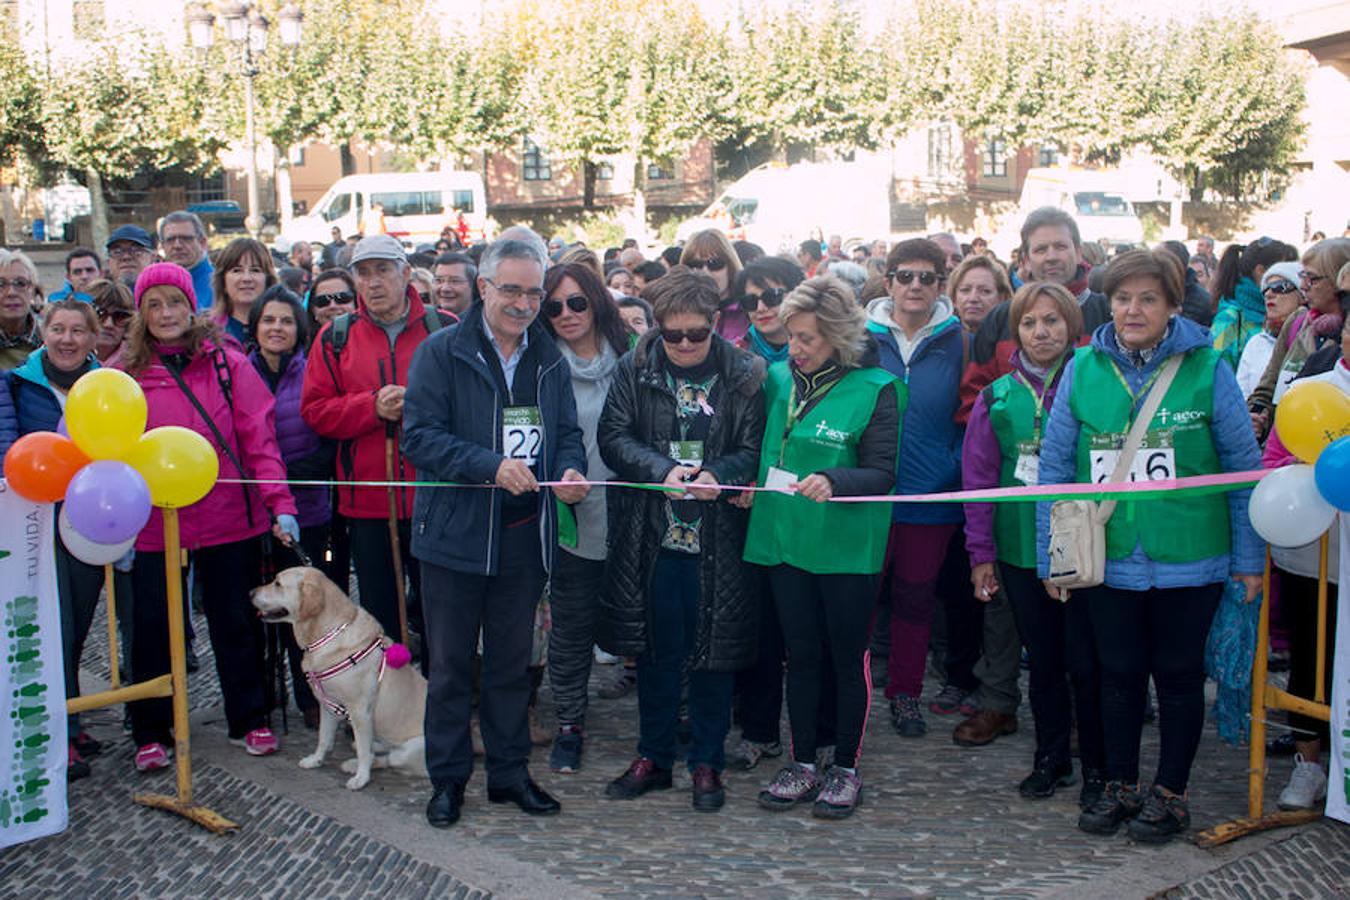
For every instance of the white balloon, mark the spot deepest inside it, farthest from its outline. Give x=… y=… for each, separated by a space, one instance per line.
x=85 y=550
x=1287 y=509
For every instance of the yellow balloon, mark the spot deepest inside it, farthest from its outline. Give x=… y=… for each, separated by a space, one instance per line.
x=105 y=414
x=1310 y=416
x=178 y=464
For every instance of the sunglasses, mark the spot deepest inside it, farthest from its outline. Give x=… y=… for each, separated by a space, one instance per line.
x=117 y=314
x=319 y=301
x=714 y=264
x=769 y=297
x=1280 y=287
x=692 y=335
x=577 y=303
x=905 y=276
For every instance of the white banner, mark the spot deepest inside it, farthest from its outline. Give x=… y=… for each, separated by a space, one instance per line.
x=33 y=737
x=1338 y=780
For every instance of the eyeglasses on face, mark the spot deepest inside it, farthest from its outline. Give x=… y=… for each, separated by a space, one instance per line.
x=515 y=291
x=1311 y=277
x=577 y=303
x=680 y=335
x=126 y=252
x=906 y=276
x=712 y=264
x=19 y=284
x=119 y=315
x=768 y=296
x=342 y=298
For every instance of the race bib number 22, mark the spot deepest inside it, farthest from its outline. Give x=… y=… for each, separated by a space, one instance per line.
x=522 y=433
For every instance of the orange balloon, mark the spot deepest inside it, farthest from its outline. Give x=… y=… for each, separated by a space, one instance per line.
x=39 y=466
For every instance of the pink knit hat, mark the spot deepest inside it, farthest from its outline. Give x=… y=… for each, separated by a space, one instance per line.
x=168 y=273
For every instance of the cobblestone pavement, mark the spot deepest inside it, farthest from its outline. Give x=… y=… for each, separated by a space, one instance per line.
x=938 y=820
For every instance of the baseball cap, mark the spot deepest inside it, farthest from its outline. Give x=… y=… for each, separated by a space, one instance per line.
x=378 y=246
x=133 y=233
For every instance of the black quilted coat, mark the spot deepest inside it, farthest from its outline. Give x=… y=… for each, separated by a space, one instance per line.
x=638 y=422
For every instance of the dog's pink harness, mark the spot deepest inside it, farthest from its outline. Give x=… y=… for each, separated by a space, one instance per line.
x=316 y=679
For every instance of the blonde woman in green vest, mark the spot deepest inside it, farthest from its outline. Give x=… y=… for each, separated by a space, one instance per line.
x=833 y=430
x=1167 y=559
x=1002 y=449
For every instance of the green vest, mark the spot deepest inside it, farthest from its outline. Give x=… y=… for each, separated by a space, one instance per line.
x=1012 y=416
x=822 y=538
x=1171 y=531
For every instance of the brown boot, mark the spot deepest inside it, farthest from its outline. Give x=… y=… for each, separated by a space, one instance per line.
x=983 y=727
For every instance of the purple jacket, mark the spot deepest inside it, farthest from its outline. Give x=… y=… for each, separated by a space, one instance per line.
x=302 y=450
x=981 y=462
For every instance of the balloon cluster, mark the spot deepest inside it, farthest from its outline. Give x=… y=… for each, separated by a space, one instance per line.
x=109 y=470
x=1295 y=505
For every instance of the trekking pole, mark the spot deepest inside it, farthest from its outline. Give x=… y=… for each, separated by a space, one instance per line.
x=390 y=428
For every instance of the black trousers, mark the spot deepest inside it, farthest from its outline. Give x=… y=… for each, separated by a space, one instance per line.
x=458 y=605
x=1299 y=601
x=837 y=608
x=574 y=602
x=374 y=562
x=963 y=614
x=1064 y=670
x=78 y=586
x=314 y=540
x=228 y=573
x=1159 y=632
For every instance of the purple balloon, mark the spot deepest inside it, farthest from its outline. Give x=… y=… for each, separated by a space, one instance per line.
x=108 y=502
x=61 y=427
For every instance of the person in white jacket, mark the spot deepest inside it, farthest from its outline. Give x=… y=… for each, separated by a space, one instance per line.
x=1283 y=296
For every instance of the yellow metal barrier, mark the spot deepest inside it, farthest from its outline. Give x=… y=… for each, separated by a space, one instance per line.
x=172 y=685
x=1267 y=697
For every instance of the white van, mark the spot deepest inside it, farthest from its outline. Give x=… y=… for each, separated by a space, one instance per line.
x=417 y=205
x=1094 y=197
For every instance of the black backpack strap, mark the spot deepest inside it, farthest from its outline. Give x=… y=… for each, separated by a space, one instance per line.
x=338 y=333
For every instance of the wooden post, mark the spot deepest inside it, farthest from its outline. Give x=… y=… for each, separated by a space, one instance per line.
x=109 y=579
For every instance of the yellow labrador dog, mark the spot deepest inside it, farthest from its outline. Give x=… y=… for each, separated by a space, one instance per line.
x=344 y=662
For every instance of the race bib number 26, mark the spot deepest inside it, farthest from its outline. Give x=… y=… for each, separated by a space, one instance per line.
x=1155 y=461
x=522 y=433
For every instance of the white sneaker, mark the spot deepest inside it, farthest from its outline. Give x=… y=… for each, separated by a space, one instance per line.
x=1307 y=786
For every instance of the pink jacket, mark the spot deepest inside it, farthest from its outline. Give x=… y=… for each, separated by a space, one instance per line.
x=247 y=424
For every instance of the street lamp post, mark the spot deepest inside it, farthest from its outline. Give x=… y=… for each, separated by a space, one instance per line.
x=246 y=28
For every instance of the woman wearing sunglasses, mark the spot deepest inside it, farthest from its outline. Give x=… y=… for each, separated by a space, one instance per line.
x=582 y=317
x=333 y=293
x=685 y=411
x=113 y=306
x=760 y=289
x=1279 y=287
x=710 y=251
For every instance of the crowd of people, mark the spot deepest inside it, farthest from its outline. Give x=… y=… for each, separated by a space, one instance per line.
x=542 y=368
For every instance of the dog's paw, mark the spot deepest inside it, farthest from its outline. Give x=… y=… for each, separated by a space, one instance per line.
x=313 y=761
x=350 y=765
x=356 y=782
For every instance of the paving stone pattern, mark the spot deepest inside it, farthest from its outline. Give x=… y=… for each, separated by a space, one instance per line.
x=1312 y=863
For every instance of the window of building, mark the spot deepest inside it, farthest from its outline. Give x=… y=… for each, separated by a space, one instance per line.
x=88 y=19
x=995 y=159
x=660 y=171
x=535 y=165
x=604 y=171
x=939 y=150
x=1049 y=155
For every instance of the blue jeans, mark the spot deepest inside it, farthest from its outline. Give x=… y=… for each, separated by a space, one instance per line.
x=672 y=630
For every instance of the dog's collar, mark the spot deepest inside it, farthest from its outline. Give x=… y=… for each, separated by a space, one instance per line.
x=310 y=648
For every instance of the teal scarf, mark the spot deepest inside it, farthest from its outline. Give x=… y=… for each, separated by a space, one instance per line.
x=761 y=347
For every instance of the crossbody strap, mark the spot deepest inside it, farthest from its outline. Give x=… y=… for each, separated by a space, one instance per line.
x=1141 y=422
x=220 y=438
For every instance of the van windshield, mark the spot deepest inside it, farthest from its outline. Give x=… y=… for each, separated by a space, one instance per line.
x=1099 y=203
x=340 y=206
x=741 y=209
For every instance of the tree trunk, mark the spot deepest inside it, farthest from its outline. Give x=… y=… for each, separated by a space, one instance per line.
x=285 y=205
x=98 y=210
x=348 y=161
x=587 y=184
x=640 y=200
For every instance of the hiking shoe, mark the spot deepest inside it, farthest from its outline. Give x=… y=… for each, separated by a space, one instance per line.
x=620 y=684
x=840 y=796
x=984 y=728
x=1044 y=779
x=793 y=784
x=707 y=795
x=1163 y=816
x=1307 y=786
x=748 y=754
x=952 y=700
x=76 y=767
x=261 y=742
x=1117 y=803
x=87 y=745
x=824 y=757
x=152 y=758
x=1094 y=785
x=566 y=753
x=906 y=716
x=642 y=776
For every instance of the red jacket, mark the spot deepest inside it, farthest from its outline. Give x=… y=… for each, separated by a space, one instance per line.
x=338 y=401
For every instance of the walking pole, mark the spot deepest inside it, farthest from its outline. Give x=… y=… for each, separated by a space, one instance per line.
x=394 y=545
x=113 y=662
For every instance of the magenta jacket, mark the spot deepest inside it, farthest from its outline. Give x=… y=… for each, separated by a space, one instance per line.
x=247 y=423
x=981 y=462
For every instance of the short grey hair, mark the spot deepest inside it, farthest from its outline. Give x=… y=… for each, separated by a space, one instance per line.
x=512 y=248
x=179 y=216
x=14 y=256
x=852 y=274
x=839 y=317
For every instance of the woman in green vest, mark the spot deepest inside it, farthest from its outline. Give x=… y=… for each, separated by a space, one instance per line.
x=1002 y=449
x=833 y=429
x=1167 y=559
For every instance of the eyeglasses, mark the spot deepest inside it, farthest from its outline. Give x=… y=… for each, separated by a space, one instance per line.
x=319 y=301
x=119 y=315
x=1311 y=277
x=127 y=252
x=769 y=297
x=1280 y=287
x=515 y=291
x=692 y=335
x=905 y=276
x=577 y=303
x=713 y=264
x=19 y=284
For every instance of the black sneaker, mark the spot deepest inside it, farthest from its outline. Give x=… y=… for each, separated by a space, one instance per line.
x=566 y=753
x=1094 y=783
x=707 y=795
x=76 y=767
x=907 y=717
x=87 y=745
x=1045 y=778
x=642 y=776
x=1164 y=815
x=1117 y=803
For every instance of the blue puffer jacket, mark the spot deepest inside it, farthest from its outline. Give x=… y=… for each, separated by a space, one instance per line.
x=930 y=439
x=1231 y=429
x=452 y=431
x=37 y=406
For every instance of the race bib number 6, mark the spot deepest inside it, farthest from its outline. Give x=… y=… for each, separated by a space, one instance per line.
x=522 y=433
x=1155 y=461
